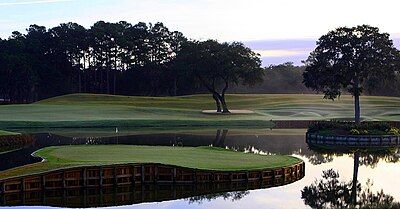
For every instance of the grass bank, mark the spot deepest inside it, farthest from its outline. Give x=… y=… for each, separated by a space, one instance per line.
x=90 y=110
x=7 y=133
x=207 y=158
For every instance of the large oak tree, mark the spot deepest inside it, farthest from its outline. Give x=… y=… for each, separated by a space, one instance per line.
x=346 y=58
x=216 y=66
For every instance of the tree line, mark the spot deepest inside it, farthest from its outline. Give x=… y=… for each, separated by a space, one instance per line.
x=119 y=58
x=142 y=59
x=112 y=58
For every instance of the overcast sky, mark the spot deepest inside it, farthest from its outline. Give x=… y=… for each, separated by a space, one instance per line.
x=280 y=30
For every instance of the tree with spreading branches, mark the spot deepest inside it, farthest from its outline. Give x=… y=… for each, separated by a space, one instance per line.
x=346 y=58
x=216 y=66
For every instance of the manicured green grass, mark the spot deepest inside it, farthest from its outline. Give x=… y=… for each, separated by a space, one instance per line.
x=207 y=158
x=89 y=110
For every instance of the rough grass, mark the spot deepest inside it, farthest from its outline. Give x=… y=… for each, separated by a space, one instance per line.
x=90 y=110
x=207 y=158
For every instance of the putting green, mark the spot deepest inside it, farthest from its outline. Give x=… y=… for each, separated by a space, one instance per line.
x=90 y=110
x=207 y=158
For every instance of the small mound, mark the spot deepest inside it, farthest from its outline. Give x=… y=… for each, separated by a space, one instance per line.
x=232 y=112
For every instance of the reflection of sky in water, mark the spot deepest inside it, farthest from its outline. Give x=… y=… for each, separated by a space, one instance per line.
x=384 y=176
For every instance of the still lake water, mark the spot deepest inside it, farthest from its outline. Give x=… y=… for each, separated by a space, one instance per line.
x=382 y=170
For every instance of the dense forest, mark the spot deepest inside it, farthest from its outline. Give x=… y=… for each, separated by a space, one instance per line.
x=112 y=58
x=119 y=58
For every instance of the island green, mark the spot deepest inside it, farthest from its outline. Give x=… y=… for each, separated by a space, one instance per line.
x=207 y=158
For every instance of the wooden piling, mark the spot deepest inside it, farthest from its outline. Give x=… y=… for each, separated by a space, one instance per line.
x=84 y=177
x=174 y=175
x=115 y=176
x=101 y=176
x=143 y=173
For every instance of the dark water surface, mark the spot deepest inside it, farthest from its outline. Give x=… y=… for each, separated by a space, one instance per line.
x=381 y=171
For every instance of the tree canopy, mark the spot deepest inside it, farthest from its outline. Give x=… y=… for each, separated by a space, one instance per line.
x=113 y=58
x=118 y=58
x=216 y=66
x=346 y=58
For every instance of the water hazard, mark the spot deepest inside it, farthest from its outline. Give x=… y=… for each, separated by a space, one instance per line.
x=375 y=172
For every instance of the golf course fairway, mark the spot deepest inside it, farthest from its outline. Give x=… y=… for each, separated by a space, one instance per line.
x=97 y=110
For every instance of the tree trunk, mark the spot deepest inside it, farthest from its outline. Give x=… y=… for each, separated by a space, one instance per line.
x=115 y=82
x=217 y=138
x=80 y=82
x=355 y=177
x=108 y=80
x=224 y=105
x=223 y=136
x=175 y=86
x=217 y=103
x=223 y=102
x=220 y=138
x=357 y=111
x=216 y=95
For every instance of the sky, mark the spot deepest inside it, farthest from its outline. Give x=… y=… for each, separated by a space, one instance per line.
x=280 y=30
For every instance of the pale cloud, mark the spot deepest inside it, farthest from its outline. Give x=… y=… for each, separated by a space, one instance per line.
x=237 y=20
x=259 y=19
x=32 y=2
x=281 y=53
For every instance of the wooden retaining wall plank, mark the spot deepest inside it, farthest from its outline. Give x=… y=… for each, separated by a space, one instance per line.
x=116 y=175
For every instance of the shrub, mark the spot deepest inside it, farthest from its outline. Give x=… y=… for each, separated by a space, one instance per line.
x=365 y=128
x=354 y=132
x=394 y=131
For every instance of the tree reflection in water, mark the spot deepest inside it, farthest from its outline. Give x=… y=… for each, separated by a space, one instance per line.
x=329 y=192
x=233 y=196
x=368 y=156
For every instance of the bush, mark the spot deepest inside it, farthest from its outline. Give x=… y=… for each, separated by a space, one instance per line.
x=365 y=128
x=355 y=132
x=394 y=131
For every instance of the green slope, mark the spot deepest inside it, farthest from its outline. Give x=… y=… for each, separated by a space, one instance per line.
x=90 y=110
